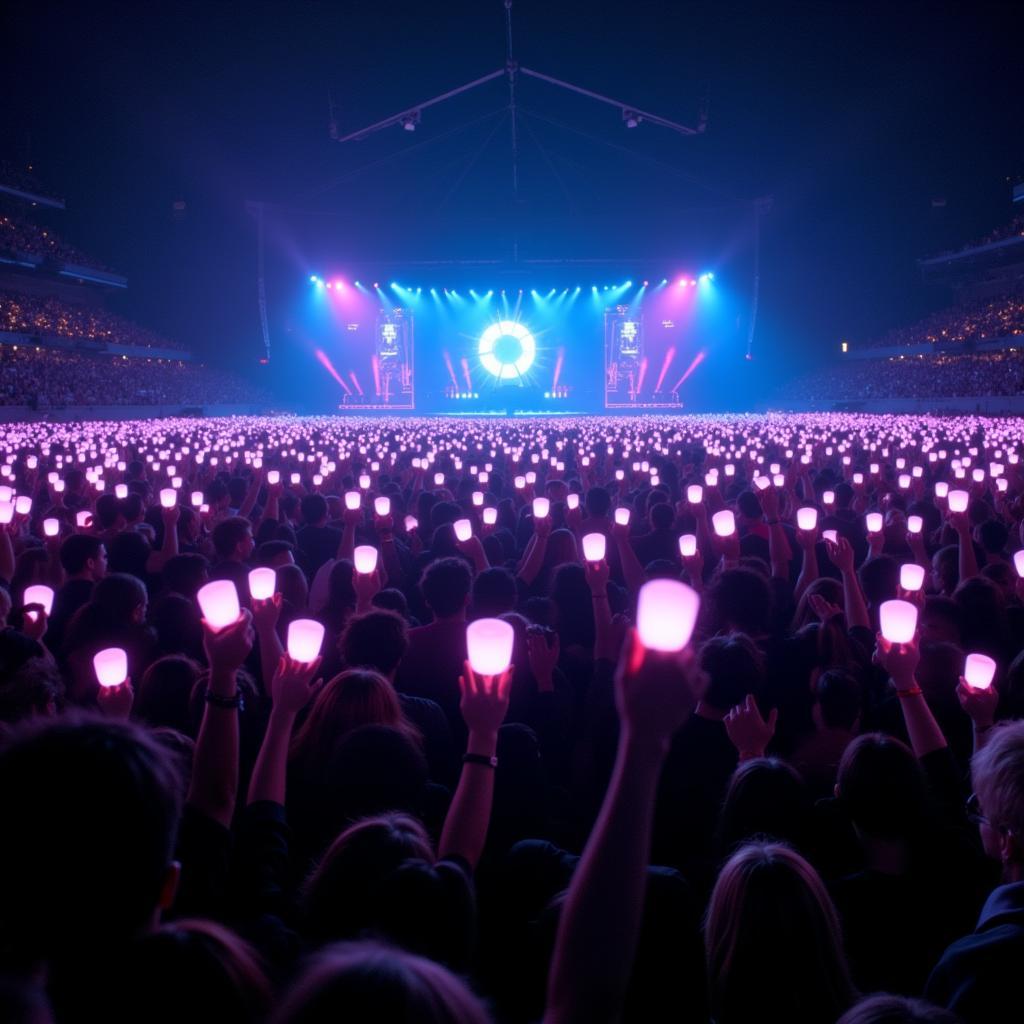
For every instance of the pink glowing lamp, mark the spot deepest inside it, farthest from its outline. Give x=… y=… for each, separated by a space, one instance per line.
x=463 y=530
x=688 y=545
x=594 y=547
x=979 y=671
x=807 y=518
x=39 y=593
x=911 y=576
x=724 y=523
x=666 y=614
x=219 y=603
x=365 y=558
x=305 y=638
x=111 y=666
x=898 y=620
x=262 y=583
x=489 y=646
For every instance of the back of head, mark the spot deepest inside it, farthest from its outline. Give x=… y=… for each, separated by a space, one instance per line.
x=30 y=683
x=766 y=799
x=840 y=699
x=886 y=1009
x=740 y=599
x=188 y=964
x=734 y=668
x=882 y=787
x=314 y=509
x=104 y=793
x=350 y=700
x=367 y=981
x=774 y=946
x=445 y=586
x=880 y=578
x=77 y=550
x=228 y=534
x=597 y=502
x=185 y=574
x=997 y=774
x=162 y=695
x=128 y=553
x=375 y=640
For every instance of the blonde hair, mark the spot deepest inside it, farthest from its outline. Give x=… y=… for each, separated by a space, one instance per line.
x=997 y=772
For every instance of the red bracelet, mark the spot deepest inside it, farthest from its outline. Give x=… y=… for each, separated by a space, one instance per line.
x=915 y=692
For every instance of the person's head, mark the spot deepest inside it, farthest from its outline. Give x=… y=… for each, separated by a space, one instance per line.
x=997 y=775
x=882 y=787
x=293 y=585
x=340 y=588
x=353 y=698
x=120 y=599
x=993 y=537
x=128 y=552
x=207 y=966
x=494 y=592
x=108 y=515
x=105 y=790
x=314 y=509
x=661 y=516
x=984 y=615
x=945 y=569
x=185 y=574
x=393 y=600
x=232 y=539
x=598 y=502
x=734 y=668
x=367 y=981
x=766 y=798
x=272 y=554
x=445 y=587
x=886 y=1009
x=880 y=579
x=748 y=507
x=774 y=946
x=375 y=640
x=941 y=620
x=218 y=496
x=30 y=683
x=839 y=700
x=162 y=695
x=84 y=556
x=740 y=600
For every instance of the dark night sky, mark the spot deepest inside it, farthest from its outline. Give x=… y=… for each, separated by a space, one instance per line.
x=853 y=117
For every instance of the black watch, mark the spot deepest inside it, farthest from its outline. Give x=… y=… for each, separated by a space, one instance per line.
x=228 y=703
x=481 y=759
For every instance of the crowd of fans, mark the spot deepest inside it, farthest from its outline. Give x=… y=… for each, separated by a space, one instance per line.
x=47 y=378
x=50 y=314
x=913 y=376
x=985 y=320
x=21 y=236
x=779 y=821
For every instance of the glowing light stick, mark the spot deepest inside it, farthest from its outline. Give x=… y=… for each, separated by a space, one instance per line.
x=666 y=614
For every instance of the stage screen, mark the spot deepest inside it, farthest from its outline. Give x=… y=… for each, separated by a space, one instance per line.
x=510 y=348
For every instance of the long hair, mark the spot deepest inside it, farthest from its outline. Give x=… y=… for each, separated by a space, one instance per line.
x=352 y=699
x=774 y=946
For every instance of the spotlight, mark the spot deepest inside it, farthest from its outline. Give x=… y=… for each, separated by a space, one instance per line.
x=314 y=278
x=646 y=283
x=376 y=284
x=631 y=118
x=409 y=121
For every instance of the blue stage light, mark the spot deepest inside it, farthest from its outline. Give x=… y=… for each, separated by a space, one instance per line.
x=507 y=349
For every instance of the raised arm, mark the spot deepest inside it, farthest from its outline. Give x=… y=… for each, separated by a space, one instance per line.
x=249 y=501
x=214 y=786
x=534 y=560
x=600 y=924
x=292 y=688
x=632 y=570
x=597 y=581
x=808 y=563
x=967 y=561
x=265 y=616
x=158 y=559
x=841 y=554
x=900 y=661
x=483 y=705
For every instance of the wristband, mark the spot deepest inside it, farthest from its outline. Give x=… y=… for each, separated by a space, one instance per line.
x=914 y=691
x=771 y=522
x=481 y=759
x=228 y=703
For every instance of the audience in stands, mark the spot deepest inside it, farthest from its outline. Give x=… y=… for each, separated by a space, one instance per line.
x=45 y=378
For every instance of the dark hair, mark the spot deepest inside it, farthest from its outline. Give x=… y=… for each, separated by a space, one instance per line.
x=445 y=585
x=740 y=598
x=162 y=694
x=882 y=787
x=734 y=667
x=185 y=574
x=77 y=550
x=494 y=591
x=107 y=791
x=774 y=945
x=228 y=534
x=29 y=680
x=271 y=549
x=108 y=508
x=366 y=981
x=128 y=553
x=766 y=799
x=597 y=502
x=840 y=698
x=662 y=515
x=993 y=536
x=749 y=505
x=880 y=578
x=886 y=1009
x=376 y=640
x=314 y=508
x=191 y=964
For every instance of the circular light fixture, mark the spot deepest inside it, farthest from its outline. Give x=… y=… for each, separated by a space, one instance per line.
x=506 y=350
